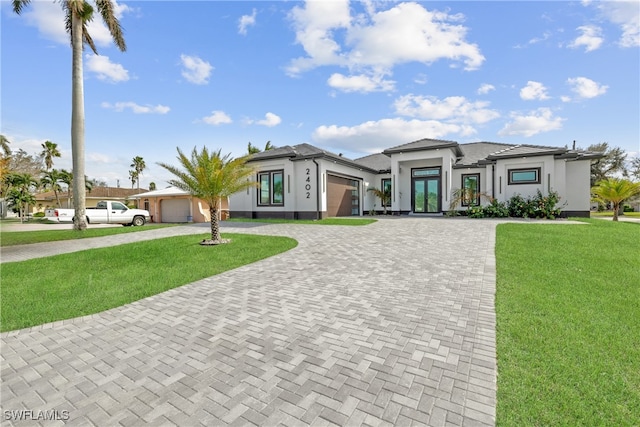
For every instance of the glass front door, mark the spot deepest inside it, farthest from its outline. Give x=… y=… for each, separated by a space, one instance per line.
x=425 y=194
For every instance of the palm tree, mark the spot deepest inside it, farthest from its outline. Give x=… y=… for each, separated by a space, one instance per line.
x=49 y=151
x=211 y=177
x=51 y=179
x=133 y=177
x=20 y=192
x=616 y=191
x=4 y=145
x=138 y=166
x=383 y=195
x=77 y=14
x=66 y=177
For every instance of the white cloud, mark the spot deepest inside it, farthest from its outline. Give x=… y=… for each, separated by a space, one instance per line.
x=538 y=121
x=105 y=69
x=586 y=88
x=374 y=43
x=360 y=83
x=534 y=90
x=246 y=21
x=375 y=136
x=196 y=70
x=217 y=118
x=136 y=108
x=485 y=88
x=625 y=14
x=48 y=17
x=455 y=109
x=591 y=38
x=270 y=120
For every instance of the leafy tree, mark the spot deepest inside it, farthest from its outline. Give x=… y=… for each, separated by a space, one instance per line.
x=138 y=166
x=49 y=151
x=152 y=186
x=77 y=14
x=608 y=166
x=616 y=191
x=211 y=177
x=23 y=162
x=634 y=168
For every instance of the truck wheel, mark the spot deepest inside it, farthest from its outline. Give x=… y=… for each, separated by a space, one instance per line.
x=138 y=221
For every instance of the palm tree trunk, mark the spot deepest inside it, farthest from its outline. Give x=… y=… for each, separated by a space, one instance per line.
x=215 y=225
x=616 y=207
x=77 y=120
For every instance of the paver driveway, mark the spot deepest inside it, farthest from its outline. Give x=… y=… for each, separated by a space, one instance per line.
x=391 y=323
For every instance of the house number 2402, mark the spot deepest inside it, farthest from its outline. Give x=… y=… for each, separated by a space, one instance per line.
x=307 y=182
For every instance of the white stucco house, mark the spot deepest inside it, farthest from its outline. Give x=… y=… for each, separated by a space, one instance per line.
x=306 y=182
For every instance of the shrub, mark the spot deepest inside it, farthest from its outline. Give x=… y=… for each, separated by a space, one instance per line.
x=38 y=215
x=539 y=206
x=496 y=210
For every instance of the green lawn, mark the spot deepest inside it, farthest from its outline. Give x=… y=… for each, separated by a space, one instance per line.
x=11 y=238
x=92 y=281
x=610 y=214
x=325 y=221
x=568 y=324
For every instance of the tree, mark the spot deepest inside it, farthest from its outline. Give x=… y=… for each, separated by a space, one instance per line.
x=51 y=179
x=252 y=149
x=20 y=192
x=138 y=166
x=152 y=186
x=4 y=145
x=634 y=168
x=49 y=151
x=612 y=163
x=66 y=178
x=616 y=191
x=211 y=177
x=22 y=162
x=133 y=177
x=77 y=14
x=384 y=195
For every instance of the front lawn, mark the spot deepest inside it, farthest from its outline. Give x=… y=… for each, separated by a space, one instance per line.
x=568 y=324
x=11 y=238
x=114 y=276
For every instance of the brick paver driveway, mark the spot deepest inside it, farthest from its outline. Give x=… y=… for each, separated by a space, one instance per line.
x=388 y=324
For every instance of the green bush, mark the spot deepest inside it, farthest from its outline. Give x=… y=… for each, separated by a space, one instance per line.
x=496 y=210
x=38 y=215
x=627 y=208
x=538 y=206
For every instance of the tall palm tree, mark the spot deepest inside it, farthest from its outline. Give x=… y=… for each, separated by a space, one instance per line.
x=616 y=191
x=138 y=166
x=77 y=14
x=211 y=177
x=51 y=179
x=49 y=151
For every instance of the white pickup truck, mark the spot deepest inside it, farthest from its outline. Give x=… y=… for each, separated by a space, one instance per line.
x=106 y=212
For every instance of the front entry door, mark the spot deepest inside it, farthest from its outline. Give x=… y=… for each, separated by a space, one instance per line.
x=425 y=194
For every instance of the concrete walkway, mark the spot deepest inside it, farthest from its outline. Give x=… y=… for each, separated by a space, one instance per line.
x=387 y=324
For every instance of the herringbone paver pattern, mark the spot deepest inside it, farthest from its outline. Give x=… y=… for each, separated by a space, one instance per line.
x=388 y=324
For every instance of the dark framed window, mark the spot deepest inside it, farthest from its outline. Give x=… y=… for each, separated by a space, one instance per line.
x=146 y=204
x=524 y=176
x=386 y=190
x=271 y=188
x=471 y=189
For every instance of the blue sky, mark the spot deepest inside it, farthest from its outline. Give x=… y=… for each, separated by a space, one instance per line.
x=349 y=77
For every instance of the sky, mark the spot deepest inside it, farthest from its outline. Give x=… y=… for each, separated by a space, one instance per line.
x=348 y=77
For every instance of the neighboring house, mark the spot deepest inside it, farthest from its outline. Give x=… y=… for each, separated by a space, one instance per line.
x=304 y=181
x=48 y=199
x=174 y=205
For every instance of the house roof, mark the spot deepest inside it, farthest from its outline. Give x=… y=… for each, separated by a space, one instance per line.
x=424 y=144
x=169 y=191
x=95 y=193
x=380 y=162
x=304 y=152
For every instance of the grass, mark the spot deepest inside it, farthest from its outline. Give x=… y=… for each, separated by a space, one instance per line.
x=325 y=221
x=568 y=324
x=610 y=214
x=11 y=238
x=118 y=275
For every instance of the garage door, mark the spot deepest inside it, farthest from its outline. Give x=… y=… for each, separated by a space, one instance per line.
x=343 y=197
x=174 y=210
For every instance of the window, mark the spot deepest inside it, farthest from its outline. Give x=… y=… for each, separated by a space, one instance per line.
x=271 y=188
x=146 y=204
x=524 y=176
x=117 y=206
x=471 y=189
x=386 y=190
